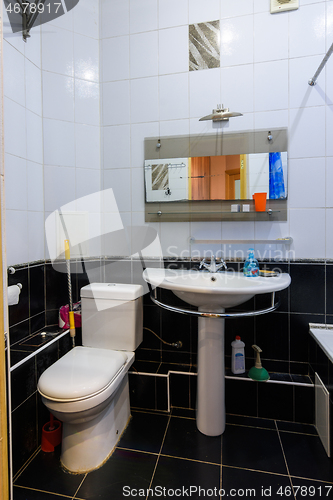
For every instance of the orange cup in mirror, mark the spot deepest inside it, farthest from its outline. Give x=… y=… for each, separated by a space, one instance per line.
x=260 y=201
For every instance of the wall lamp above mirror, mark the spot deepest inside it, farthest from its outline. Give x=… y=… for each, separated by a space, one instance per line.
x=216 y=176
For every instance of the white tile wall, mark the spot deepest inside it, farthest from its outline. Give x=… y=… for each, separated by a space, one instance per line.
x=59 y=186
x=86 y=106
x=114 y=18
x=86 y=58
x=33 y=88
x=87 y=147
x=237 y=41
x=13 y=80
x=34 y=124
x=120 y=181
x=307 y=228
x=172 y=13
x=144 y=100
x=307 y=183
x=16 y=193
x=236 y=8
x=307 y=30
x=116 y=103
x=35 y=236
x=143 y=15
x=57 y=50
x=307 y=132
x=329 y=182
x=173 y=50
x=35 y=186
x=52 y=124
x=59 y=143
x=16 y=236
x=117 y=146
x=204 y=11
x=205 y=92
x=271 y=85
x=58 y=96
x=86 y=18
x=144 y=54
x=115 y=58
x=237 y=87
x=15 y=129
x=174 y=96
x=270 y=36
x=132 y=58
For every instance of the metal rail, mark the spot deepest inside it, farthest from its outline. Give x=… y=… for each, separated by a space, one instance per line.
x=208 y=314
x=312 y=81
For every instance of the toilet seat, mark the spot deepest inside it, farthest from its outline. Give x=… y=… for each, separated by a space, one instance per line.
x=83 y=373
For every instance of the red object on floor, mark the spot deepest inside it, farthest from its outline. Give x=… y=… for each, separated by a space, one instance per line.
x=51 y=434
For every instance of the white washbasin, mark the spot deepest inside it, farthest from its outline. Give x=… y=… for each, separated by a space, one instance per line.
x=214 y=290
x=212 y=293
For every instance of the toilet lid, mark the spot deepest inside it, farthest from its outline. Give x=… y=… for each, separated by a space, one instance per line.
x=81 y=373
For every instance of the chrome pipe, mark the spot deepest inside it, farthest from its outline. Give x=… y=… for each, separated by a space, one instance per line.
x=203 y=314
x=312 y=81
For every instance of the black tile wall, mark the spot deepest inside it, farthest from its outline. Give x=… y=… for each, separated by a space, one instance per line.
x=44 y=290
x=282 y=335
x=307 y=293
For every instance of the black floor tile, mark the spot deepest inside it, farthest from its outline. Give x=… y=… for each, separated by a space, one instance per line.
x=260 y=423
x=144 y=432
x=252 y=484
x=252 y=448
x=164 y=368
x=123 y=475
x=304 y=488
x=45 y=473
x=296 y=427
x=184 y=440
x=27 y=494
x=145 y=366
x=184 y=478
x=183 y=412
x=306 y=457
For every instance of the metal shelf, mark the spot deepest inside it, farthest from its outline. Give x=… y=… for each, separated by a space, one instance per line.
x=160 y=213
x=279 y=241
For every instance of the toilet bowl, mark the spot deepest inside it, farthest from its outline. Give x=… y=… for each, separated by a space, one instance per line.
x=87 y=389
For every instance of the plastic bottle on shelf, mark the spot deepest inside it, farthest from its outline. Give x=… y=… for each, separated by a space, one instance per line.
x=237 y=356
x=251 y=265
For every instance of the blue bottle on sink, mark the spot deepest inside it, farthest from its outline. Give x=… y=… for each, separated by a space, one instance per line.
x=251 y=265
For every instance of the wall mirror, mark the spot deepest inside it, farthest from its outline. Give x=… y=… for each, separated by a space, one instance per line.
x=199 y=177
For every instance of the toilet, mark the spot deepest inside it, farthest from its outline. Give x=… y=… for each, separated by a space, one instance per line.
x=87 y=389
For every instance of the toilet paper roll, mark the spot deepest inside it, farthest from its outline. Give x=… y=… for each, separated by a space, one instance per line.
x=13 y=293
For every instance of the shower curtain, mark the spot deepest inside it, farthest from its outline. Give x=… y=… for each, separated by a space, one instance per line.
x=276 y=180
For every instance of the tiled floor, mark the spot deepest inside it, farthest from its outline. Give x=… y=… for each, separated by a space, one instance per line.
x=254 y=458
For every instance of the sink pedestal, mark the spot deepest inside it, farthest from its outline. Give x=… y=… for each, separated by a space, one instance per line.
x=212 y=293
x=210 y=388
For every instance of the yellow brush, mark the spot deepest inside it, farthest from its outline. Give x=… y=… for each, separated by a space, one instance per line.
x=71 y=312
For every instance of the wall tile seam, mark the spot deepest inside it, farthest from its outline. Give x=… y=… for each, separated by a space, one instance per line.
x=35 y=393
x=73 y=77
x=28 y=335
x=61 y=28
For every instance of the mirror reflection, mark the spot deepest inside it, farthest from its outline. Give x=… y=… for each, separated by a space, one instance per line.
x=228 y=177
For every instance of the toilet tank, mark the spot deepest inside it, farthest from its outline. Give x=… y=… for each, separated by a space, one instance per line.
x=112 y=316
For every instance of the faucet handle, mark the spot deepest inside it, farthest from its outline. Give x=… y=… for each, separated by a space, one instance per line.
x=202 y=263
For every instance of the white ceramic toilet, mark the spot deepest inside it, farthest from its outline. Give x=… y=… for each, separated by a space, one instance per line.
x=87 y=389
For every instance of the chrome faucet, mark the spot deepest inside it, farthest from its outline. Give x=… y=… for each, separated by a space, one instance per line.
x=213 y=267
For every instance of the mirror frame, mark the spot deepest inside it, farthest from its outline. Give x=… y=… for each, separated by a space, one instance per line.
x=218 y=144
